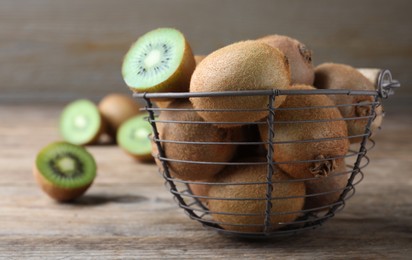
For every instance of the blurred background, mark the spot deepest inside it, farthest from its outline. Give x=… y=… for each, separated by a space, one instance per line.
x=53 y=51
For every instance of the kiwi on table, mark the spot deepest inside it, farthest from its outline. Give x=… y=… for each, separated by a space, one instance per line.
x=292 y=135
x=159 y=61
x=247 y=65
x=241 y=207
x=116 y=108
x=197 y=152
x=199 y=58
x=133 y=138
x=81 y=122
x=64 y=171
x=298 y=55
x=324 y=192
x=341 y=76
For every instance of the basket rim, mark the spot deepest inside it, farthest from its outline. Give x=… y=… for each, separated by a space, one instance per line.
x=272 y=92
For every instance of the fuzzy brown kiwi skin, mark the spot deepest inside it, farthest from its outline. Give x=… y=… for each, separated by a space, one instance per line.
x=201 y=190
x=324 y=151
x=254 y=173
x=299 y=56
x=55 y=192
x=193 y=152
x=341 y=76
x=337 y=180
x=247 y=65
x=179 y=81
x=116 y=108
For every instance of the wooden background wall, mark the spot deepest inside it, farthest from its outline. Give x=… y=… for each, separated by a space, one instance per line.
x=58 y=50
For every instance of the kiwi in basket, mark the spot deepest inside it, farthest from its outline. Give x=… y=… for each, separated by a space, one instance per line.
x=159 y=61
x=201 y=190
x=133 y=138
x=298 y=55
x=301 y=141
x=324 y=192
x=341 y=76
x=116 y=108
x=64 y=171
x=195 y=130
x=247 y=65
x=81 y=122
x=242 y=207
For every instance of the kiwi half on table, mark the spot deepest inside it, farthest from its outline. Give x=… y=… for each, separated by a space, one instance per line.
x=133 y=138
x=159 y=61
x=81 y=122
x=64 y=171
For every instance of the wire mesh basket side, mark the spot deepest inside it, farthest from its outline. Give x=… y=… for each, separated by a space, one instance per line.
x=196 y=206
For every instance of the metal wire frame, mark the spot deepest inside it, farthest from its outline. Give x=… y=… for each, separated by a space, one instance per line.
x=309 y=218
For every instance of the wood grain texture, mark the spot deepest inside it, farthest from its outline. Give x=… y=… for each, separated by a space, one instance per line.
x=129 y=214
x=57 y=50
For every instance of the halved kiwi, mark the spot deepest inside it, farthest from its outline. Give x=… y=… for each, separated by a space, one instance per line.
x=159 y=61
x=64 y=171
x=133 y=137
x=116 y=108
x=81 y=122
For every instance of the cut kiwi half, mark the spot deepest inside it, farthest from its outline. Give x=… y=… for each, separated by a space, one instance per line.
x=133 y=137
x=64 y=171
x=159 y=61
x=81 y=122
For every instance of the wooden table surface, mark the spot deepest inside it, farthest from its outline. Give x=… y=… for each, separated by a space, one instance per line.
x=128 y=213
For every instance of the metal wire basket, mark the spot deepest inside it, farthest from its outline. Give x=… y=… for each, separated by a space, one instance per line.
x=196 y=206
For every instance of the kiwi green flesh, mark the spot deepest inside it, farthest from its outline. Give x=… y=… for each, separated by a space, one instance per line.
x=133 y=135
x=80 y=122
x=66 y=165
x=153 y=59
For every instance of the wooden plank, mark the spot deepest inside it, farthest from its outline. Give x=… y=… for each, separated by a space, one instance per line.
x=59 y=50
x=128 y=213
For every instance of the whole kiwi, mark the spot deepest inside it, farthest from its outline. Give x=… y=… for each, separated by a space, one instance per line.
x=324 y=192
x=298 y=55
x=198 y=152
x=202 y=190
x=341 y=76
x=241 y=207
x=116 y=108
x=247 y=65
x=293 y=135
